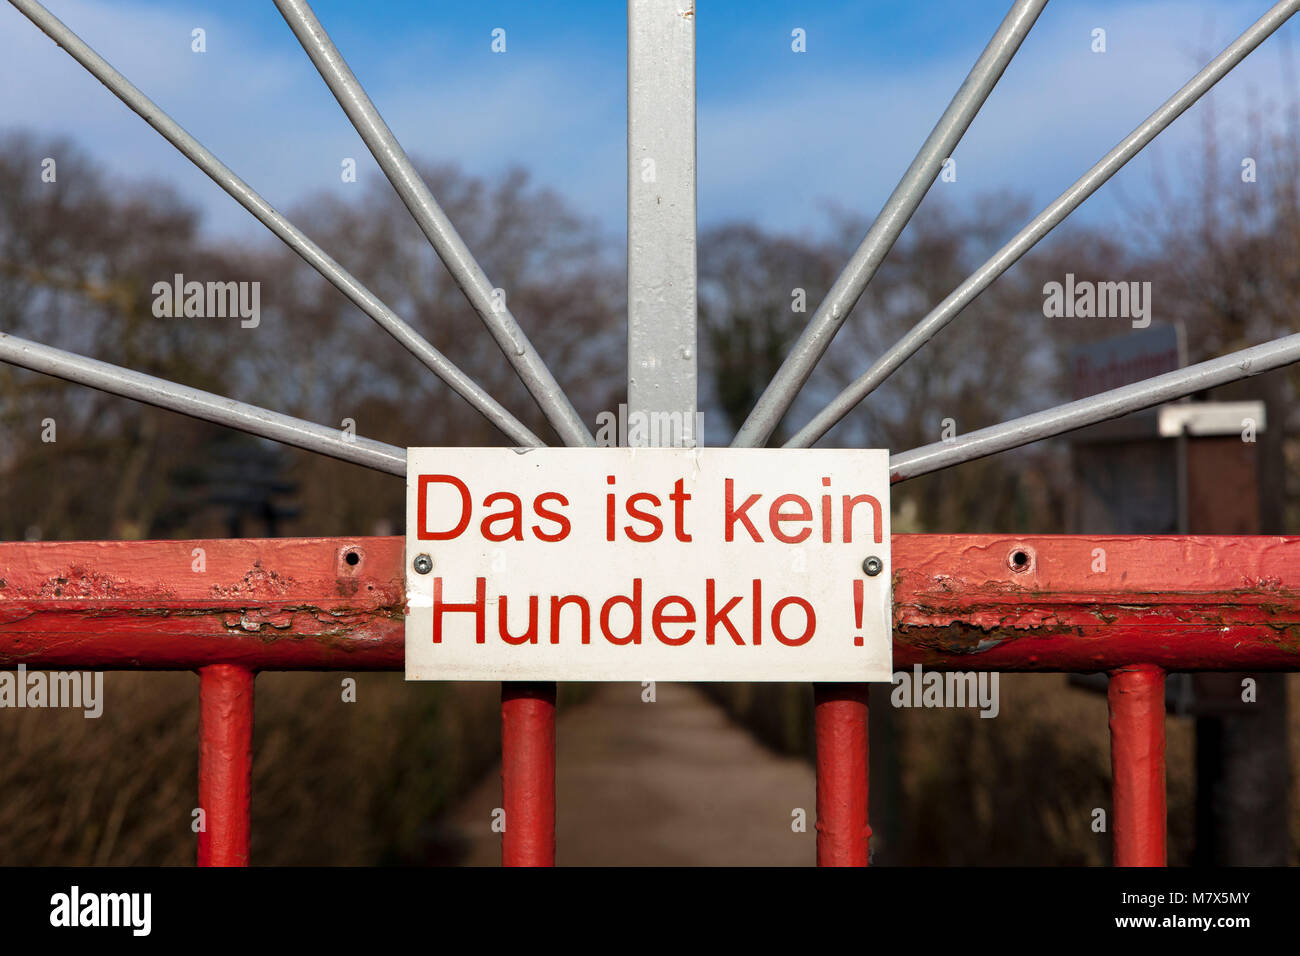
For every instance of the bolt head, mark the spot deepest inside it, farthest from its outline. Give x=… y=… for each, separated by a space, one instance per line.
x=873 y=566
x=423 y=564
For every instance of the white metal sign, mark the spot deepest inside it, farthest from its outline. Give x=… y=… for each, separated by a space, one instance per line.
x=710 y=564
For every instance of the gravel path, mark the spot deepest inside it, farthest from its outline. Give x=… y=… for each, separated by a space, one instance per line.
x=673 y=782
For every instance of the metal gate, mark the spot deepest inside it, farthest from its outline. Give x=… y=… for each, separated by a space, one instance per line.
x=961 y=602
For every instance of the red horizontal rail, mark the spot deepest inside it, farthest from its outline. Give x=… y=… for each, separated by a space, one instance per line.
x=269 y=604
x=1096 y=603
x=960 y=602
x=1134 y=606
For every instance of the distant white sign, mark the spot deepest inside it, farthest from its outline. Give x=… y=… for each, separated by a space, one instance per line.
x=710 y=564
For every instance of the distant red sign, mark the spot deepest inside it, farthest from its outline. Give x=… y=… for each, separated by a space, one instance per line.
x=1100 y=366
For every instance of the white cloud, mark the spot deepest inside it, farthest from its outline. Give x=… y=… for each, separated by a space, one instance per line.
x=772 y=151
x=777 y=155
x=265 y=112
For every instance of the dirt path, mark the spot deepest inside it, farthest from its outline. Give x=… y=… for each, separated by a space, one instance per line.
x=653 y=784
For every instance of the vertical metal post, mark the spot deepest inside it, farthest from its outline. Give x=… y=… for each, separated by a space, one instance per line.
x=1137 y=758
x=225 y=763
x=840 y=719
x=661 y=302
x=661 y=354
x=528 y=773
x=661 y=230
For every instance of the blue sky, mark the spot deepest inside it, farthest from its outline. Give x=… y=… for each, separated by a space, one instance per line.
x=781 y=135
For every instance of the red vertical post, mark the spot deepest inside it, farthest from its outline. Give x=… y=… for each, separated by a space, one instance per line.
x=225 y=763
x=528 y=773
x=840 y=718
x=1137 y=759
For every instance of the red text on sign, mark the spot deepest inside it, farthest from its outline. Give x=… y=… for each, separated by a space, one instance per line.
x=674 y=619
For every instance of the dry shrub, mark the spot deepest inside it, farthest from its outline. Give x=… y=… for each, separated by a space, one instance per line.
x=333 y=782
x=1021 y=788
x=366 y=782
x=118 y=789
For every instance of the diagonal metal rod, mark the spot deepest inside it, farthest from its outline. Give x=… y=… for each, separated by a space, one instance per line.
x=203 y=405
x=439 y=230
x=1042 y=224
x=1097 y=408
x=884 y=232
x=294 y=238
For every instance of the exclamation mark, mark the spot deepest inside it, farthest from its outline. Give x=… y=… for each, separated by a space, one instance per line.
x=857 y=611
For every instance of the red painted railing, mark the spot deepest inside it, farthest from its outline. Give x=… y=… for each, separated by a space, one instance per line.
x=1135 y=607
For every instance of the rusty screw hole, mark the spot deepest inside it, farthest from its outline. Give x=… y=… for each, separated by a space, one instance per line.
x=1019 y=560
x=352 y=558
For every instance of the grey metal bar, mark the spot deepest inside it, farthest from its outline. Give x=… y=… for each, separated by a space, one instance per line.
x=439 y=230
x=203 y=405
x=1043 y=223
x=661 y=235
x=294 y=238
x=884 y=232
x=1097 y=408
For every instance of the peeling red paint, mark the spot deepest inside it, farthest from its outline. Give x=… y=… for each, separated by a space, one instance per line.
x=960 y=601
x=1097 y=602
x=273 y=603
